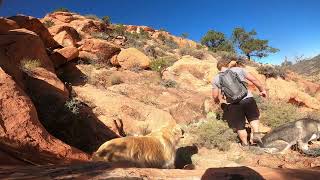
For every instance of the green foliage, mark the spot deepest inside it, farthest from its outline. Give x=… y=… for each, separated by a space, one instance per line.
x=185 y=35
x=272 y=71
x=199 y=54
x=216 y=41
x=106 y=19
x=162 y=29
x=286 y=63
x=48 y=23
x=27 y=65
x=275 y=112
x=250 y=45
x=119 y=29
x=150 y=51
x=168 y=83
x=214 y=134
x=162 y=63
x=61 y=9
x=101 y=35
x=93 y=17
x=72 y=105
x=168 y=41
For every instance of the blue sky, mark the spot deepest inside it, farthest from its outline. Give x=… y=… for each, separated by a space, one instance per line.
x=293 y=26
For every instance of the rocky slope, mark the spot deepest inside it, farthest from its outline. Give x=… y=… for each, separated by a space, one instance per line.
x=105 y=171
x=309 y=68
x=66 y=79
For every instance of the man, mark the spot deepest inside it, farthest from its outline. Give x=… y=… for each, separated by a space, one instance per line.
x=237 y=113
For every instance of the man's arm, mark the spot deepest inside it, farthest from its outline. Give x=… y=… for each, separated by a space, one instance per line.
x=216 y=95
x=257 y=83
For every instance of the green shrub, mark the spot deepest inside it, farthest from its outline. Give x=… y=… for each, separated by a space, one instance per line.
x=185 y=35
x=150 y=51
x=93 y=17
x=136 y=68
x=214 y=134
x=272 y=71
x=162 y=63
x=106 y=19
x=61 y=9
x=48 y=23
x=119 y=30
x=27 y=65
x=101 y=35
x=168 y=41
x=275 y=112
x=168 y=83
x=162 y=29
x=192 y=52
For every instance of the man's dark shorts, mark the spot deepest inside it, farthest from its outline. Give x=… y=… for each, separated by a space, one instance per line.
x=236 y=114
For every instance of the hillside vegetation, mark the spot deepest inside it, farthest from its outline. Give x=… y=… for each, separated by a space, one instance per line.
x=68 y=80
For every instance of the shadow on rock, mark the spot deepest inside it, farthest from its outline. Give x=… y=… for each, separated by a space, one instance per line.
x=183 y=157
x=71 y=121
x=231 y=173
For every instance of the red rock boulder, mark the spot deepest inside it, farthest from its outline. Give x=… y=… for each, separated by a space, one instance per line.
x=21 y=133
x=102 y=50
x=62 y=56
x=7 y=24
x=35 y=25
x=23 y=56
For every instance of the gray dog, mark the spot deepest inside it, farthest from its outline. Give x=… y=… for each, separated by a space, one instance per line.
x=283 y=137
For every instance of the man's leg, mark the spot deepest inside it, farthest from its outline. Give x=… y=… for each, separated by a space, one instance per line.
x=254 y=129
x=243 y=135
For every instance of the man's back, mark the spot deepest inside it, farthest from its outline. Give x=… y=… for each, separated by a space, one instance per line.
x=241 y=74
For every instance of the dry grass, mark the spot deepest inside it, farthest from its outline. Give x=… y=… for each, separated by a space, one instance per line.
x=275 y=112
x=199 y=54
x=27 y=65
x=213 y=134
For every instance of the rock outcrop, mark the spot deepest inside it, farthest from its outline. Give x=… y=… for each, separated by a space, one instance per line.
x=30 y=67
x=21 y=133
x=131 y=57
x=35 y=25
x=99 y=49
x=7 y=24
x=62 y=56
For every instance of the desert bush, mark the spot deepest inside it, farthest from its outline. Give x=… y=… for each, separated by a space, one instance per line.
x=61 y=9
x=162 y=63
x=106 y=19
x=114 y=79
x=168 y=41
x=92 y=16
x=168 y=83
x=27 y=65
x=275 y=112
x=214 y=134
x=192 y=52
x=119 y=30
x=150 y=51
x=185 y=35
x=72 y=105
x=48 y=23
x=136 y=68
x=101 y=35
x=272 y=71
